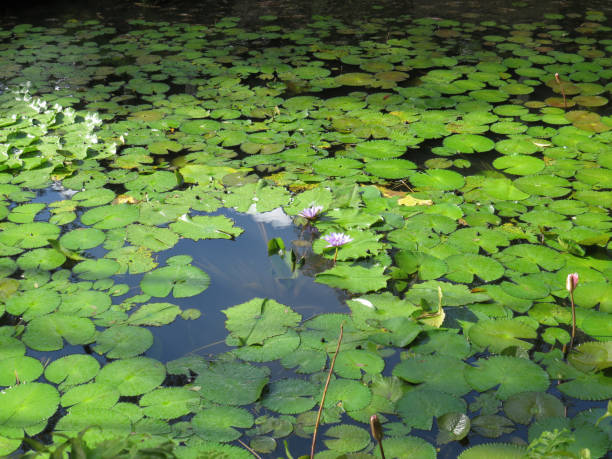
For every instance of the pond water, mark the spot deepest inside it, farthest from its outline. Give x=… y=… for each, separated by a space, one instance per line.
x=172 y=175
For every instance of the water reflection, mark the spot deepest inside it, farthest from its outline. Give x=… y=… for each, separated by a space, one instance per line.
x=240 y=270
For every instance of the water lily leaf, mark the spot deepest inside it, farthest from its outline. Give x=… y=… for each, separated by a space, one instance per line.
x=544 y=185
x=497 y=450
x=502 y=189
x=82 y=238
x=218 y=423
x=428 y=266
x=29 y=235
x=47 y=333
x=154 y=314
x=26 y=405
x=529 y=287
x=347 y=438
x=19 y=369
x=305 y=360
x=349 y=394
x=463 y=268
x=94 y=197
x=525 y=406
x=25 y=213
x=492 y=425
x=588 y=387
x=206 y=227
x=452 y=294
x=452 y=427
x=134 y=376
x=111 y=422
x=110 y=216
x=435 y=372
x=519 y=164
x=258 y=319
x=357 y=279
x=182 y=280
x=379 y=149
x=123 y=341
x=272 y=349
x=408 y=447
x=355 y=79
x=337 y=167
x=512 y=374
x=151 y=237
x=169 y=402
x=468 y=143
x=418 y=407
x=96 y=395
x=528 y=258
x=497 y=335
x=156 y=182
x=101 y=268
x=390 y=168
x=41 y=259
x=72 y=370
x=438 y=179
x=232 y=383
x=290 y=396
x=591 y=356
x=86 y=304
x=351 y=363
x=33 y=303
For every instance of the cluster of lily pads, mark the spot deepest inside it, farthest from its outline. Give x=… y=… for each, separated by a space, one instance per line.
x=456 y=188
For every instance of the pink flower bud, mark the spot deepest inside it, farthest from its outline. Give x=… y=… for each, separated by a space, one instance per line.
x=572 y=282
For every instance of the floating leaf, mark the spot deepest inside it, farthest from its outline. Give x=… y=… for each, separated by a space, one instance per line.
x=72 y=370
x=218 y=423
x=512 y=374
x=258 y=319
x=232 y=383
x=418 y=407
x=134 y=376
x=290 y=396
x=497 y=450
x=435 y=372
x=47 y=333
x=182 y=280
x=497 y=335
x=111 y=216
x=26 y=405
x=357 y=279
x=206 y=227
x=525 y=406
x=347 y=438
x=123 y=341
x=169 y=402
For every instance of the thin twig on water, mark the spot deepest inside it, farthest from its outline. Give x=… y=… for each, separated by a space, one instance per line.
x=249 y=449
x=331 y=369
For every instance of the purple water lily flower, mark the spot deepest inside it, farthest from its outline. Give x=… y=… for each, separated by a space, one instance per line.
x=310 y=213
x=337 y=239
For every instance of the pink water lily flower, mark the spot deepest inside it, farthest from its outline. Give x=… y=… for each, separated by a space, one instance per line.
x=310 y=213
x=572 y=282
x=337 y=239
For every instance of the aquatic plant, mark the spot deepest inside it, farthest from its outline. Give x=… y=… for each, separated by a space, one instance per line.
x=571 y=283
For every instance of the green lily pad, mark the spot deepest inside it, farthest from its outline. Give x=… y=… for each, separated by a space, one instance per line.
x=169 y=402
x=232 y=383
x=134 y=376
x=205 y=227
x=390 y=168
x=290 y=396
x=356 y=279
x=110 y=216
x=182 y=280
x=438 y=179
x=123 y=341
x=258 y=319
x=72 y=370
x=468 y=143
x=218 y=423
x=512 y=374
x=497 y=335
x=519 y=164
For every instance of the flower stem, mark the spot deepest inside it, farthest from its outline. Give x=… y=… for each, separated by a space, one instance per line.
x=331 y=369
x=573 y=321
x=335 y=256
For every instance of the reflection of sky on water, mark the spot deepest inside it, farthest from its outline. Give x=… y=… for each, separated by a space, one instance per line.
x=239 y=270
